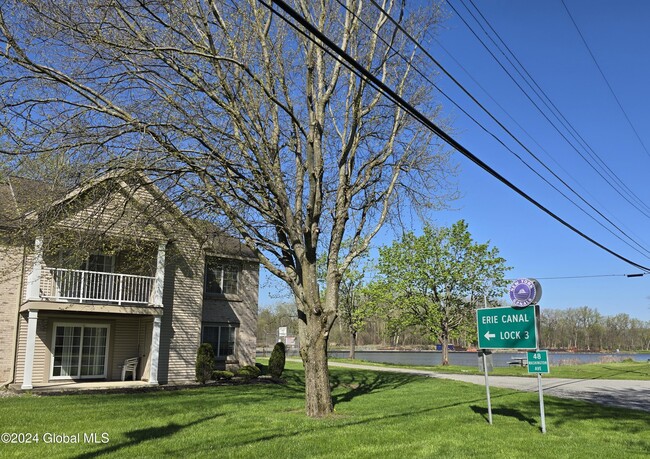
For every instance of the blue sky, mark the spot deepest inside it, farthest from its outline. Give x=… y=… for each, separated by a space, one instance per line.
x=543 y=37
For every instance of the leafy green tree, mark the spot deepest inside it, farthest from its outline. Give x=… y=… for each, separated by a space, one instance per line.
x=353 y=311
x=434 y=281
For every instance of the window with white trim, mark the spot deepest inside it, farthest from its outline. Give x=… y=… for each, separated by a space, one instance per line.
x=222 y=337
x=80 y=351
x=100 y=262
x=221 y=278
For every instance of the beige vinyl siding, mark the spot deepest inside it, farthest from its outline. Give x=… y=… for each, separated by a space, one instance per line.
x=125 y=344
x=20 y=350
x=121 y=215
x=11 y=260
x=41 y=351
x=124 y=341
x=182 y=302
x=240 y=309
x=184 y=309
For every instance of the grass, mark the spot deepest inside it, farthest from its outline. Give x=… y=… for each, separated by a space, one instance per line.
x=619 y=370
x=377 y=415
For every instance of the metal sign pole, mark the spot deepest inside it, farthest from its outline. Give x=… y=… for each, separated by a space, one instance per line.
x=485 y=370
x=541 y=402
x=487 y=388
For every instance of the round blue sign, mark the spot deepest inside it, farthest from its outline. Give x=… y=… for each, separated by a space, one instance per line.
x=525 y=291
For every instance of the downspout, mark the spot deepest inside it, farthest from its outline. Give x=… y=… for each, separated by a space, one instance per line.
x=12 y=370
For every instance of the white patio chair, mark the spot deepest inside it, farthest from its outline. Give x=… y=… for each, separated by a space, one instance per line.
x=129 y=365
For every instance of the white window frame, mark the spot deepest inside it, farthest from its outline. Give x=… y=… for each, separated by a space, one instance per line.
x=220 y=326
x=83 y=326
x=211 y=263
x=105 y=258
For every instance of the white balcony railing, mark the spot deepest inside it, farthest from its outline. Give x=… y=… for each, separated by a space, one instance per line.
x=93 y=286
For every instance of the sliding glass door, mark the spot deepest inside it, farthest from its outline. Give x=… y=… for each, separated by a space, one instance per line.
x=80 y=351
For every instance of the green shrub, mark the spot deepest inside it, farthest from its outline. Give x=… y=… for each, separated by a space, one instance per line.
x=204 y=363
x=277 y=360
x=222 y=374
x=249 y=372
x=263 y=368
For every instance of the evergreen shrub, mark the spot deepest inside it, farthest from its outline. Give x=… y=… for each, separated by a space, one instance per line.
x=204 y=362
x=249 y=372
x=277 y=360
x=222 y=374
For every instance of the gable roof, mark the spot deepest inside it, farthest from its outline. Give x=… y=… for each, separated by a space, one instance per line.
x=23 y=198
x=217 y=242
x=19 y=196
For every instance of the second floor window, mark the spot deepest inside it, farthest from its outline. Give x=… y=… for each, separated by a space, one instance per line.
x=221 y=277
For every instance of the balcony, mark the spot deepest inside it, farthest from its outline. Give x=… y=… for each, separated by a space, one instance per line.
x=71 y=285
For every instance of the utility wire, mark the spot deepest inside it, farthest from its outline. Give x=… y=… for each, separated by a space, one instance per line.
x=487 y=112
x=543 y=96
x=590 y=276
x=522 y=128
x=536 y=105
x=611 y=90
x=323 y=41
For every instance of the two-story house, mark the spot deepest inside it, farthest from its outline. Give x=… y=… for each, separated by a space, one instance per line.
x=111 y=271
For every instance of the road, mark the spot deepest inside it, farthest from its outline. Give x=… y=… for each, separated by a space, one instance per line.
x=621 y=393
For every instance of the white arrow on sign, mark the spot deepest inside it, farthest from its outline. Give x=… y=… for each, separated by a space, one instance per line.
x=489 y=335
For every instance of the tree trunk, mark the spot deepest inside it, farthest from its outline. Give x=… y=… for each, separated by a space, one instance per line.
x=353 y=345
x=445 y=350
x=444 y=335
x=313 y=350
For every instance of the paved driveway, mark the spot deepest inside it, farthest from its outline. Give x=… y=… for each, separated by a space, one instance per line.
x=621 y=393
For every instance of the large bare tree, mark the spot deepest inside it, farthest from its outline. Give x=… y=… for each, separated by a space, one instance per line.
x=242 y=119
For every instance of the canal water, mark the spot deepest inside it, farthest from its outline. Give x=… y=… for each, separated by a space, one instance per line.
x=499 y=359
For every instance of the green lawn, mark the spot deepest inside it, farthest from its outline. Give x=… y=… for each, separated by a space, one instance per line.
x=617 y=370
x=378 y=415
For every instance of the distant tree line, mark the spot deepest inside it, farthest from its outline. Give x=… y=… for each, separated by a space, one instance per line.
x=422 y=291
x=586 y=329
x=580 y=329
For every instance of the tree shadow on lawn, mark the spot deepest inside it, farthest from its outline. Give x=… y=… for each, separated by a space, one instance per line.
x=509 y=412
x=563 y=411
x=519 y=405
x=136 y=437
x=630 y=373
x=362 y=383
x=343 y=424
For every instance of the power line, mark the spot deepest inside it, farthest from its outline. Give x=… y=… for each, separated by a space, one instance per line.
x=590 y=276
x=522 y=128
x=611 y=90
x=555 y=110
x=606 y=169
x=478 y=123
x=557 y=113
x=528 y=79
x=320 y=39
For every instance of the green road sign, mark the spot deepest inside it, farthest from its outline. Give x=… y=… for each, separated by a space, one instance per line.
x=538 y=362
x=507 y=328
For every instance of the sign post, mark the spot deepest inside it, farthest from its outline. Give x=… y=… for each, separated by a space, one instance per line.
x=538 y=363
x=515 y=327
x=487 y=383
